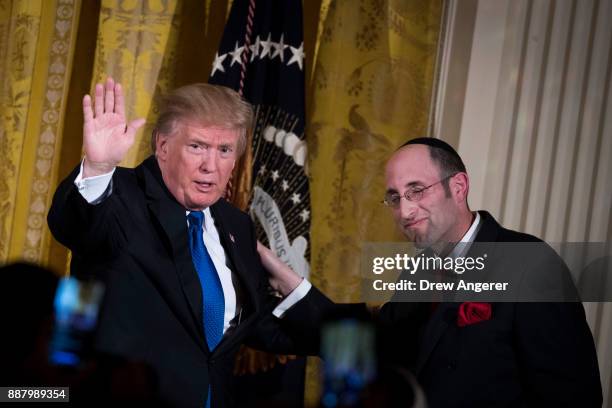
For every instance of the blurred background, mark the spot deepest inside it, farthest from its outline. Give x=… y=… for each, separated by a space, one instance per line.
x=521 y=88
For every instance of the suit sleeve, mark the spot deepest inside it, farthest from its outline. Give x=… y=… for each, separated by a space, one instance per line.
x=90 y=230
x=554 y=345
x=557 y=355
x=297 y=332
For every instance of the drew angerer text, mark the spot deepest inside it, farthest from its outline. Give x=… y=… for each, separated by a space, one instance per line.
x=421 y=263
x=426 y=285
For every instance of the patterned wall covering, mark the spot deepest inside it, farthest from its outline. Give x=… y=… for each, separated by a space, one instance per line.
x=371 y=91
x=372 y=83
x=36 y=47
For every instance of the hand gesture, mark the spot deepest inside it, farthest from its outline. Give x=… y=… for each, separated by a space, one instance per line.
x=106 y=134
x=281 y=277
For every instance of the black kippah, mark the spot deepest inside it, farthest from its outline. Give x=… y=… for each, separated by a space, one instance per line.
x=433 y=142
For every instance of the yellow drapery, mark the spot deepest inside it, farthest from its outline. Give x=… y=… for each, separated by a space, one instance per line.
x=37 y=45
x=372 y=85
x=368 y=90
x=371 y=90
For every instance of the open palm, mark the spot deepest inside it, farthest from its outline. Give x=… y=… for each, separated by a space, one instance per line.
x=106 y=134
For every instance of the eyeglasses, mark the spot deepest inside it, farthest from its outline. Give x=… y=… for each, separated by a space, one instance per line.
x=392 y=199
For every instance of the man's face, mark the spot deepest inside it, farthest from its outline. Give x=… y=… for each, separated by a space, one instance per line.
x=432 y=219
x=196 y=163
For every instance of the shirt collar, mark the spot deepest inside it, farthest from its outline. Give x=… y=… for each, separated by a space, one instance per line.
x=466 y=241
x=208 y=218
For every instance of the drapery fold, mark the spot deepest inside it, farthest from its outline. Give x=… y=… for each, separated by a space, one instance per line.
x=371 y=88
x=37 y=47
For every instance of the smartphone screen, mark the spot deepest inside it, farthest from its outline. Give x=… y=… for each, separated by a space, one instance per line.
x=348 y=349
x=76 y=308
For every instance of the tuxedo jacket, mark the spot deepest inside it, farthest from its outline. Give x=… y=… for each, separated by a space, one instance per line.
x=526 y=355
x=136 y=241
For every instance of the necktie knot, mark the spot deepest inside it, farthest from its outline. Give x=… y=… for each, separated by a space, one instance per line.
x=196 y=218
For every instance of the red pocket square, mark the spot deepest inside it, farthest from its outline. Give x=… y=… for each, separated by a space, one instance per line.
x=473 y=312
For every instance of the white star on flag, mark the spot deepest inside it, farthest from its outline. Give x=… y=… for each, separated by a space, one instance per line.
x=295 y=198
x=279 y=49
x=254 y=48
x=305 y=214
x=275 y=175
x=218 y=63
x=265 y=47
x=285 y=185
x=262 y=169
x=236 y=55
x=297 y=56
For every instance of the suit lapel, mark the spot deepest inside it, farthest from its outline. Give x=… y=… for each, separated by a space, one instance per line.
x=170 y=216
x=446 y=312
x=229 y=243
x=489 y=228
x=433 y=331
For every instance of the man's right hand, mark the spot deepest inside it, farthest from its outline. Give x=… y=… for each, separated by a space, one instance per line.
x=106 y=134
x=282 y=278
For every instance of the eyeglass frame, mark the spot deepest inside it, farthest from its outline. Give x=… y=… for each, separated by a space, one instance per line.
x=409 y=193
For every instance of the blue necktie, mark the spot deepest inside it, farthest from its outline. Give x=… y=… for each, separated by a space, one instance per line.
x=212 y=292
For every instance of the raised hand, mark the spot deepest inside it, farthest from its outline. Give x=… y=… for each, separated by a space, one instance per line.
x=106 y=134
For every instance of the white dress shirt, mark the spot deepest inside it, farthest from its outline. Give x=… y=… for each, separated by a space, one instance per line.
x=95 y=189
x=464 y=245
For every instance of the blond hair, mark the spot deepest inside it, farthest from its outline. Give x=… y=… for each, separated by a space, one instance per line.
x=207 y=105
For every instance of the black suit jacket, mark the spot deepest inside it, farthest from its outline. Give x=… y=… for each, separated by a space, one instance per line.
x=136 y=240
x=527 y=354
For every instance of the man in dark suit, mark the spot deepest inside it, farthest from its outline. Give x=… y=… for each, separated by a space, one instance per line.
x=184 y=283
x=473 y=354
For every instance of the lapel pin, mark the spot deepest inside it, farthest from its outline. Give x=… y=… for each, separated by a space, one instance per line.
x=232 y=238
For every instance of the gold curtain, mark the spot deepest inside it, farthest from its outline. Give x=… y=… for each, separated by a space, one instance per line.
x=37 y=44
x=369 y=89
x=372 y=85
